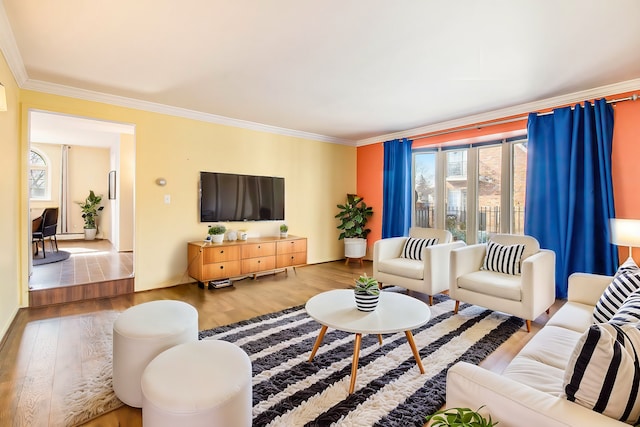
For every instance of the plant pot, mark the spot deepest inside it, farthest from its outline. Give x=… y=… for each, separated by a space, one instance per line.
x=284 y=234
x=355 y=247
x=90 y=233
x=366 y=302
x=217 y=238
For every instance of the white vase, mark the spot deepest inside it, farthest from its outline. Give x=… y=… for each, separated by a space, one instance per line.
x=217 y=238
x=90 y=233
x=355 y=247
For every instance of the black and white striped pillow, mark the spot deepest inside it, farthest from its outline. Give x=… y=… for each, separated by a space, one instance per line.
x=626 y=281
x=603 y=373
x=503 y=259
x=413 y=247
x=629 y=311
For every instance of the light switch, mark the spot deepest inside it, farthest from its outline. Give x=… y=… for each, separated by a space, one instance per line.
x=167 y=198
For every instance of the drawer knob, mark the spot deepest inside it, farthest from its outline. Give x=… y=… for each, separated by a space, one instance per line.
x=222 y=251
x=222 y=267
x=258 y=261
x=259 y=246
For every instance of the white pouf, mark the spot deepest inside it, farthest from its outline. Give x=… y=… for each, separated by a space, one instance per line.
x=199 y=384
x=142 y=332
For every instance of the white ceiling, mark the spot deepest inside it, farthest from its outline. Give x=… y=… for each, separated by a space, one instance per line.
x=350 y=71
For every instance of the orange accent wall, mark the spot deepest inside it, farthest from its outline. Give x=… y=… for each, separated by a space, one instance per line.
x=370 y=164
x=625 y=161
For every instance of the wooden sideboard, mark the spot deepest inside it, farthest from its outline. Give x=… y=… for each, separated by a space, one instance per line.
x=233 y=259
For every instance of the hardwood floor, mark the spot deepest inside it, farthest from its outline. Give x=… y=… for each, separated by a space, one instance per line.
x=40 y=360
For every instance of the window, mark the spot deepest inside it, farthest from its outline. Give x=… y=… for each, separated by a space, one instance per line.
x=38 y=176
x=477 y=191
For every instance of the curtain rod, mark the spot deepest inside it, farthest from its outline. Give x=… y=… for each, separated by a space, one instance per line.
x=633 y=97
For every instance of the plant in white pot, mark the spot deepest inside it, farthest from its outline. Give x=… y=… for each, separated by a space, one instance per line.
x=90 y=210
x=367 y=293
x=353 y=217
x=284 y=230
x=217 y=233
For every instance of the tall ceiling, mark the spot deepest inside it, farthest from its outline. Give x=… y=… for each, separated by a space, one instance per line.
x=347 y=71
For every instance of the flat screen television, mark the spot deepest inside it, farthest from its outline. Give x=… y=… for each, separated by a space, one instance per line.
x=233 y=197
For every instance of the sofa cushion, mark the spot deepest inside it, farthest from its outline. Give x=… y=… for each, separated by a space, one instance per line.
x=413 y=247
x=503 y=259
x=500 y=285
x=402 y=267
x=629 y=311
x=626 y=281
x=603 y=372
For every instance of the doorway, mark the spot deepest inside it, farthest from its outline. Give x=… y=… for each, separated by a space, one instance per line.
x=80 y=155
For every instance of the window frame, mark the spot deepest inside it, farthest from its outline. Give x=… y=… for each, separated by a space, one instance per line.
x=47 y=173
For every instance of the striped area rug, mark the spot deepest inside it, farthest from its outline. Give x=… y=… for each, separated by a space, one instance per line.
x=290 y=391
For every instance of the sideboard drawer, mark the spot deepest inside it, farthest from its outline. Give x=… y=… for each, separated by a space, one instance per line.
x=254 y=250
x=252 y=265
x=214 y=254
x=220 y=270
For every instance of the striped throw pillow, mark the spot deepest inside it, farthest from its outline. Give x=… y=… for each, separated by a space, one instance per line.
x=413 y=247
x=626 y=281
x=629 y=311
x=503 y=259
x=603 y=373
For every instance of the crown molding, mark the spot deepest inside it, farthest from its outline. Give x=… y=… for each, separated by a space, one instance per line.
x=121 y=101
x=10 y=49
x=522 y=109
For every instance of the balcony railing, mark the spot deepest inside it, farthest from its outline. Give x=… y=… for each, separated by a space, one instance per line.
x=456 y=219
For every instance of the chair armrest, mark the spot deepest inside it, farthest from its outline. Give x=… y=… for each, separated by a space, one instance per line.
x=587 y=288
x=538 y=282
x=436 y=261
x=513 y=404
x=465 y=260
x=386 y=249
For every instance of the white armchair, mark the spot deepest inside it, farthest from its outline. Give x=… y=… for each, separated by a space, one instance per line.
x=526 y=295
x=430 y=275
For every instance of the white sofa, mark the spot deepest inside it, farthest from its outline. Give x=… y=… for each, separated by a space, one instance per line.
x=429 y=276
x=528 y=392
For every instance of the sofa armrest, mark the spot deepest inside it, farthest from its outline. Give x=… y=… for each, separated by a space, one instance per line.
x=538 y=282
x=514 y=404
x=587 y=288
x=436 y=261
x=465 y=260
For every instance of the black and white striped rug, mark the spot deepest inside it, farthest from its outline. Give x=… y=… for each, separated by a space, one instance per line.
x=290 y=391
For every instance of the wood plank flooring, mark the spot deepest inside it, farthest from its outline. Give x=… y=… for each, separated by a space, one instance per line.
x=43 y=354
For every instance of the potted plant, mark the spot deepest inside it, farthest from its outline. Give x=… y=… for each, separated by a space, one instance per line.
x=217 y=233
x=353 y=217
x=367 y=293
x=459 y=417
x=90 y=209
x=284 y=229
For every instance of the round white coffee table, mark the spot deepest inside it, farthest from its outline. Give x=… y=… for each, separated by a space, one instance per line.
x=395 y=313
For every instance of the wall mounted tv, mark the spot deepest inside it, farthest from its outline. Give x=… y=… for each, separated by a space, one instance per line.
x=232 y=197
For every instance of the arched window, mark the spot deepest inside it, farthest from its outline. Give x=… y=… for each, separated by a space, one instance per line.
x=38 y=176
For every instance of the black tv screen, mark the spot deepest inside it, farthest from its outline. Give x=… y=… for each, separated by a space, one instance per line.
x=233 y=197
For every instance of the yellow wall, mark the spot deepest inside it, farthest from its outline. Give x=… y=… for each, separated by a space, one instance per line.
x=317 y=177
x=124 y=193
x=11 y=216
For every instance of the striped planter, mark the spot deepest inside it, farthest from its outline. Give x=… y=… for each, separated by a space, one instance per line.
x=366 y=302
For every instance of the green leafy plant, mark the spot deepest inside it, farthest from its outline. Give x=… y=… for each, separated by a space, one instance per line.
x=367 y=285
x=284 y=228
x=353 y=217
x=460 y=417
x=90 y=209
x=217 y=229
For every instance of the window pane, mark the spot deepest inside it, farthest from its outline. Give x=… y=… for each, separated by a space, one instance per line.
x=425 y=190
x=37 y=184
x=489 y=178
x=36 y=159
x=519 y=187
x=456 y=194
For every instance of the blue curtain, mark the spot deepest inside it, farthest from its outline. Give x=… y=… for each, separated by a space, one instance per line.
x=569 y=196
x=396 y=193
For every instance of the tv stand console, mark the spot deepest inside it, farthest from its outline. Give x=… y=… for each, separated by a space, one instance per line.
x=235 y=259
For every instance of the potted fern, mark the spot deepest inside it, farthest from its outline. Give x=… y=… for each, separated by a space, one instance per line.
x=353 y=217
x=367 y=293
x=217 y=233
x=90 y=209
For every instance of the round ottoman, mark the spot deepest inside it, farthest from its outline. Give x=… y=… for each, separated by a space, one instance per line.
x=198 y=384
x=142 y=332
